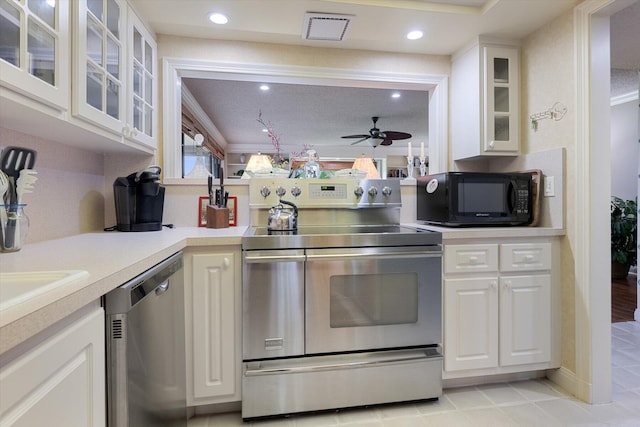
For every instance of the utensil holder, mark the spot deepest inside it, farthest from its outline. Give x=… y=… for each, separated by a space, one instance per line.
x=14 y=225
x=217 y=217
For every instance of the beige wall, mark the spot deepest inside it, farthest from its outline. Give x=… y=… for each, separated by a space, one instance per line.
x=74 y=191
x=548 y=77
x=263 y=53
x=68 y=197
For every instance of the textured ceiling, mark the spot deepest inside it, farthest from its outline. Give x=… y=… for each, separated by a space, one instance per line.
x=316 y=115
x=625 y=38
x=319 y=115
x=625 y=50
x=448 y=25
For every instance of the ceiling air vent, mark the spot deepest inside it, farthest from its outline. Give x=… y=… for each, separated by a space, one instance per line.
x=326 y=26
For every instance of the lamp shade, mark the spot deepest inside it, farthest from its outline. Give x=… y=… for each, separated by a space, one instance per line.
x=257 y=162
x=365 y=164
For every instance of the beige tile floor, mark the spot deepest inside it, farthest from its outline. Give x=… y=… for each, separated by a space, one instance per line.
x=524 y=403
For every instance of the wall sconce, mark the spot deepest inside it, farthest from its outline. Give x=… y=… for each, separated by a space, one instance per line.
x=256 y=162
x=365 y=164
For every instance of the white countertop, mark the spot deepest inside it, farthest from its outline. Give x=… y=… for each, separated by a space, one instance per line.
x=113 y=258
x=451 y=233
x=110 y=258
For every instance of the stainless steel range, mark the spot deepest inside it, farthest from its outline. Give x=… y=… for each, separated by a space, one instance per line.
x=344 y=311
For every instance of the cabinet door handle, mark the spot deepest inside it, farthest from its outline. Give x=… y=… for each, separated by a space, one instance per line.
x=507 y=285
x=494 y=285
x=226 y=263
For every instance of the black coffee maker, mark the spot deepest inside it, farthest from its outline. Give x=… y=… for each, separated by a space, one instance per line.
x=139 y=200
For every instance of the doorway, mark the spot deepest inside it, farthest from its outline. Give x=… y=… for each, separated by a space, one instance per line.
x=625 y=129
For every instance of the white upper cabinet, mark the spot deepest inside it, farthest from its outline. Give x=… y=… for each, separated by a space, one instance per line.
x=34 y=50
x=142 y=85
x=115 y=70
x=99 y=52
x=485 y=102
x=81 y=72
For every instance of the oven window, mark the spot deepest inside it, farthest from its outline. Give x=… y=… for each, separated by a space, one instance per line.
x=373 y=299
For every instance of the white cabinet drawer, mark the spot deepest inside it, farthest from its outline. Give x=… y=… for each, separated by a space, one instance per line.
x=470 y=258
x=525 y=256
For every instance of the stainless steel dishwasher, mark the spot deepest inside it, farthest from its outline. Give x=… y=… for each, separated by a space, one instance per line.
x=146 y=379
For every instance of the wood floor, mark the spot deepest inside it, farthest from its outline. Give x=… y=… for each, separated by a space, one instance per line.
x=623 y=299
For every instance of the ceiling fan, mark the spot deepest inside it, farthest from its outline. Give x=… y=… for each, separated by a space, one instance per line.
x=378 y=137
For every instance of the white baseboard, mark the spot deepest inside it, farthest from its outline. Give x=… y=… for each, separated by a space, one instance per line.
x=564 y=378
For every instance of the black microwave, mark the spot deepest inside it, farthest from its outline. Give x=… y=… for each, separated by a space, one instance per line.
x=475 y=199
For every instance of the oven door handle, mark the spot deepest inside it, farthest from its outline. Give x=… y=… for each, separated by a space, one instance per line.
x=351 y=256
x=273 y=258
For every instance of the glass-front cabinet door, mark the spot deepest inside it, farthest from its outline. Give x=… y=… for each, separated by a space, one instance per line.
x=501 y=100
x=142 y=93
x=99 y=93
x=34 y=53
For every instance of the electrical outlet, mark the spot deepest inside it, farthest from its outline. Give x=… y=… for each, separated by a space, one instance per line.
x=549 y=186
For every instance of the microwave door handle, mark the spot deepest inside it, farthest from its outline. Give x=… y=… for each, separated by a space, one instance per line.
x=511 y=200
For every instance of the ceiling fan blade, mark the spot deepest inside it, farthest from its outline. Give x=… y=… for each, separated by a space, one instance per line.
x=356 y=136
x=393 y=135
x=386 y=142
x=359 y=141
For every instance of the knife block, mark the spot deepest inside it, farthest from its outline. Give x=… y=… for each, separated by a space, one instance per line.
x=217 y=217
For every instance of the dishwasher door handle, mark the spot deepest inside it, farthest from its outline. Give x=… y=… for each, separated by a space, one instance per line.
x=162 y=288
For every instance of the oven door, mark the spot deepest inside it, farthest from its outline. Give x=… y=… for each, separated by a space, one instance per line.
x=372 y=298
x=273 y=304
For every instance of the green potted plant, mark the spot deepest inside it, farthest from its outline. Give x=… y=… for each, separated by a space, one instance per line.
x=624 y=223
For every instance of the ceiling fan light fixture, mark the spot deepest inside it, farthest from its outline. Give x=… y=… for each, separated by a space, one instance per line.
x=326 y=26
x=375 y=142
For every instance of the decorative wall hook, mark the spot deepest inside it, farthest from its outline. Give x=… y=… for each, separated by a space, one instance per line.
x=556 y=112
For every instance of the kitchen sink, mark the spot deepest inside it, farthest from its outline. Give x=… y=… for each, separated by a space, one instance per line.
x=23 y=292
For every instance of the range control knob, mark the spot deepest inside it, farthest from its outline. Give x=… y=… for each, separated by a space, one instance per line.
x=386 y=191
x=373 y=191
x=296 y=191
x=264 y=191
x=358 y=191
x=280 y=191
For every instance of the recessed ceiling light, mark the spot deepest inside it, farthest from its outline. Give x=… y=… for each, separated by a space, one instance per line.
x=218 y=18
x=265 y=130
x=414 y=35
x=264 y=87
x=395 y=95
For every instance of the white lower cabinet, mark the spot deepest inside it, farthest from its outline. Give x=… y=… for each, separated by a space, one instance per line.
x=525 y=319
x=213 y=325
x=470 y=323
x=60 y=381
x=499 y=310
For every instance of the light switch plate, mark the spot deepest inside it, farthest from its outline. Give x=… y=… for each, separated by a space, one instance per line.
x=549 y=186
